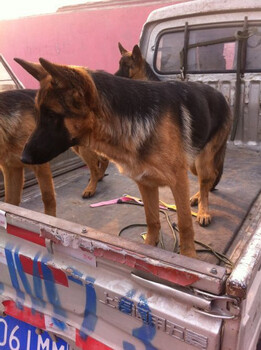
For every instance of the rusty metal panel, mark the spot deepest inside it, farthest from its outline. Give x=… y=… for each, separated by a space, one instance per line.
x=242 y=276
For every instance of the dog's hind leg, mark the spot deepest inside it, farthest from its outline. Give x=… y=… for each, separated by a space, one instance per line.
x=13 y=180
x=180 y=190
x=217 y=166
x=97 y=166
x=195 y=198
x=207 y=175
x=209 y=166
x=45 y=180
x=150 y=197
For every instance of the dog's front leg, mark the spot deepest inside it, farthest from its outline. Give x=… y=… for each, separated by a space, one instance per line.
x=45 y=180
x=180 y=190
x=150 y=197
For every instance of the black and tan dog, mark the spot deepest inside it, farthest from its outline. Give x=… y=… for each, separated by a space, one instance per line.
x=134 y=66
x=153 y=131
x=17 y=121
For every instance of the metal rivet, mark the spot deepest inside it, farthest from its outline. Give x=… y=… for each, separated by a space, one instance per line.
x=84 y=230
x=213 y=270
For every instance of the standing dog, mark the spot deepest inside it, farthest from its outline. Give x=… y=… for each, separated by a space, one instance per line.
x=152 y=130
x=17 y=121
x=134 y=66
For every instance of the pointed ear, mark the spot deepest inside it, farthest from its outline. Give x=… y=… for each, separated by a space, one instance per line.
x=136 y=54
x=55 y=70
x=122 y=50
x=61 y=75
x=35 y=69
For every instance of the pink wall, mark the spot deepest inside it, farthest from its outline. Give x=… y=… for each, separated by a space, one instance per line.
x=87 y=38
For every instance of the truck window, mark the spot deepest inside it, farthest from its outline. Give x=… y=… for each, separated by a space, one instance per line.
x=209 y=50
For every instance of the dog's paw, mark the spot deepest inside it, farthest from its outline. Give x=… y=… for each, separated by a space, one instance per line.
x=191 y=253
x=204 y=219
x=87 y=193
x=194 y=200
x=151 y=240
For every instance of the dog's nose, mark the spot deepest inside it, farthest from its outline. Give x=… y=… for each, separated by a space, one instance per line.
x=26 y=158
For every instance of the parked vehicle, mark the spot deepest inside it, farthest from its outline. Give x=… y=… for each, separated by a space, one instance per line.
x=75 y=278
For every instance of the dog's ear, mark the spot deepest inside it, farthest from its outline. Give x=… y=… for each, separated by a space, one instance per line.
x=35 y=69
x=55 y=70
x=136 y=54
x=62 y=76
x=122 y=50
x=82 y=88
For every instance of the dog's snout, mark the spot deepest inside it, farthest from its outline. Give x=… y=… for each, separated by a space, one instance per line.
x=26 y=158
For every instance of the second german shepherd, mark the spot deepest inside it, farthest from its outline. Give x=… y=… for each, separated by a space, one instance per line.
x=134 y=66
x=17 y=121
x=153 y=131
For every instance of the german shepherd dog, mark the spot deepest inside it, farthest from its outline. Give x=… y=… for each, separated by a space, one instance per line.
x=17 y=121
x=134 y=66
x=153 y=131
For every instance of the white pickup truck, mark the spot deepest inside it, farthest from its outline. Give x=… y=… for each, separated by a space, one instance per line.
x=86 y=280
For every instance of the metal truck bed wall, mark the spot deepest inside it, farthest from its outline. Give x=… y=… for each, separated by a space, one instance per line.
x=88 y=286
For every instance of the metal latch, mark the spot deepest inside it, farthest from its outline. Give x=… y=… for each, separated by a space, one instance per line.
x=222 y=306
x=217 y=306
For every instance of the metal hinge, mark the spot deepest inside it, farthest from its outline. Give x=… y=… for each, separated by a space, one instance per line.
x=222 y=306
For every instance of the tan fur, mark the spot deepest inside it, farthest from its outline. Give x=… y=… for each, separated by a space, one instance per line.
x=166 y=167
x=14 y=133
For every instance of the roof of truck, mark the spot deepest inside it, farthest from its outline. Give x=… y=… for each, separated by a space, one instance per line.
x=196 y=7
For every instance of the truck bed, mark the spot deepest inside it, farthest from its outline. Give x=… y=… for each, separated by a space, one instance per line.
x=229 y=203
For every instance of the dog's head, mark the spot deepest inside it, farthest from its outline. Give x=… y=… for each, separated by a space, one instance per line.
x=67 y=97
x=132 y=64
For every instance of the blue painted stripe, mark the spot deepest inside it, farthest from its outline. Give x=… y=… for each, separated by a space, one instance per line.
x=128 y=346
x=21 y=272
x=147 y=331
x=52 y=293
x=75 y=273
x=90 y=315
x=13 y=275
x=38 y=284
